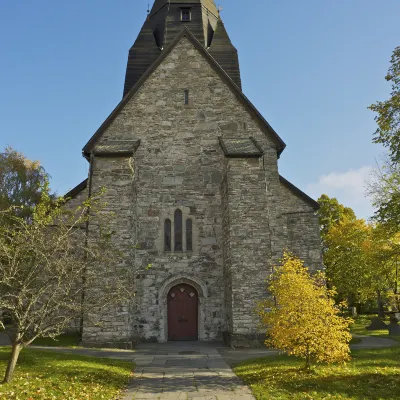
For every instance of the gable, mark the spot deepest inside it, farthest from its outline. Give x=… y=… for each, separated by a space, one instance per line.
x=294 y=198
x=76 y=196
x=159 y=70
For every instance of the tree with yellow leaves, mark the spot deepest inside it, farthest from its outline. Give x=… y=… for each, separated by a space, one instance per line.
x=302 y=319
x=361 y=261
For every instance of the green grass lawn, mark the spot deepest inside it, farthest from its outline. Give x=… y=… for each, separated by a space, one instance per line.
x=362 y=321
x=44 y=375
x=372 y=374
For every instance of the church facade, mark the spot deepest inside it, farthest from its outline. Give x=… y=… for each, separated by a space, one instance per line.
x=190 y=169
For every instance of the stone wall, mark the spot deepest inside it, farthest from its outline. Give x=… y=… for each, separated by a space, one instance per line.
x=235 y=205
x=301 y=234
x=113 y=326
x=249 y=245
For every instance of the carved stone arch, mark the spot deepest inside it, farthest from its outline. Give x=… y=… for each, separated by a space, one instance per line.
x=165 y=288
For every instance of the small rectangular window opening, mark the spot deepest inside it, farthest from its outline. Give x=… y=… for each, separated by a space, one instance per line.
x=167 y=235
x=189 y=235
x=185 y=14
x=186 y=97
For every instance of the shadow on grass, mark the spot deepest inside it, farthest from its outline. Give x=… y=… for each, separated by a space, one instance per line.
x=372 y=374
x=51 y=365
x=372 y=386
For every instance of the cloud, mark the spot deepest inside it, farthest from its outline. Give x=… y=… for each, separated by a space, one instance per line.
x=348 y=187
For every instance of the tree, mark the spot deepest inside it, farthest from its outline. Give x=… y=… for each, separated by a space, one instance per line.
x=21 y=182
x=384 y=188
x=347 y=260
x=331 y=212
x=360 y=260
x=51 y=273
x=385 y=254
x=304 y=321
x=388 y=118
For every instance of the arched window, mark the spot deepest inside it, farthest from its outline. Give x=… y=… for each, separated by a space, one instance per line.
x=167 y=235
x=178 y=230
x=189 y=235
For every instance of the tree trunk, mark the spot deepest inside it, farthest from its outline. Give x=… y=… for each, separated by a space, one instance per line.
x=16 y=349
x=308 y=361
x=381 y=311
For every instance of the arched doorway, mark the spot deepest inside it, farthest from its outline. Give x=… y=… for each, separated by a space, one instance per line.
x=183 y=302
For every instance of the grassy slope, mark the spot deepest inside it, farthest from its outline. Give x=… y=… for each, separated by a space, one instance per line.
x=46 y=375
x=372 y=374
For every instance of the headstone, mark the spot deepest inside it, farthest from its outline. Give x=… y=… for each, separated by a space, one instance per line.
x=353 y=311
x=376 y=325
x=394 y=327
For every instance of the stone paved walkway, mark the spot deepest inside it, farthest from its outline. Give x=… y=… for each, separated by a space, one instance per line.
x=184 y=371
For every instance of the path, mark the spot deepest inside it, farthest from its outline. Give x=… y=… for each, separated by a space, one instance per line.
x=189 y=371
x=184 y=371
x=373 y=342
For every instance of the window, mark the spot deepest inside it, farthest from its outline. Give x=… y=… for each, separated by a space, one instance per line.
x=167 y=235
x=178 y=230
x=189 y=235
x=186 y=97
x=185 y=14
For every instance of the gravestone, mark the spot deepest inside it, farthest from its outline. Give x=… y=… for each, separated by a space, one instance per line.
x=376 y=325
x=394 y=327
x=353 y=311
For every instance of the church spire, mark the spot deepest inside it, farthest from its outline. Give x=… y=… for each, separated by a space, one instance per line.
x=165 y=21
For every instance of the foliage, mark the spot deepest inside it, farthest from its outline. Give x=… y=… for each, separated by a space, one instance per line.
x=44 y=375
x=346 y=259
x=305 y=322
x=21 y=182
x=331 y=212
x=384 y=188
x=361 y=260
x=388 y=112
x=48 y=266
x=372 y=374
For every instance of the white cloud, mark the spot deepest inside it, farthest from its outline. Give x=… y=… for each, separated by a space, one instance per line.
x=348 y=187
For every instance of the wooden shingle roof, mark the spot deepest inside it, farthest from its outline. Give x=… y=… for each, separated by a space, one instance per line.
x=162 y=26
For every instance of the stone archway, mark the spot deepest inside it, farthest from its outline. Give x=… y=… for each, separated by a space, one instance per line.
x=165 y=289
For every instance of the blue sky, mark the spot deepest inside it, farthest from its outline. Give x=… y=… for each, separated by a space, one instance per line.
x=311 y=67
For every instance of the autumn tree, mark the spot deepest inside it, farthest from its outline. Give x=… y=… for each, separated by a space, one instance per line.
x=303 y=319
x=51 y=273
x=361 y=260
x=348 y=265
x=331 y=212
x=21 y=182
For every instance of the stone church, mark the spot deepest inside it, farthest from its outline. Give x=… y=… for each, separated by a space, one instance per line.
x=191 y=172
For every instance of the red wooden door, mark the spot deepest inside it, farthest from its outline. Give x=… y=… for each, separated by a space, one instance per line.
x=182 y=313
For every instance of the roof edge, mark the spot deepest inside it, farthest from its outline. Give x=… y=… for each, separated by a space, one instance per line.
x=299 y=193
x=76 y=190
x=240 y=95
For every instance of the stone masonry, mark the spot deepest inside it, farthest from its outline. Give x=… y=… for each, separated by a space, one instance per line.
x=244 y=214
